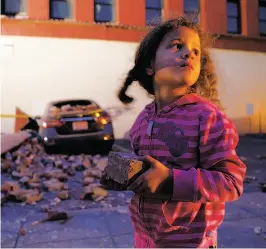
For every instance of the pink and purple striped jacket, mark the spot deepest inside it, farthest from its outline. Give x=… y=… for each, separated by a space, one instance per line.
x=197 y=140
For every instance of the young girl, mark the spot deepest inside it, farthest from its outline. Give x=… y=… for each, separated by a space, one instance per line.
x=189 y=142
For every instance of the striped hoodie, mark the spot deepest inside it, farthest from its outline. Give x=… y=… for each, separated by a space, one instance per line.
x=194 y=138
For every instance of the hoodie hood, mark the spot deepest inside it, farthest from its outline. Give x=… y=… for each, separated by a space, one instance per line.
x=191 y=98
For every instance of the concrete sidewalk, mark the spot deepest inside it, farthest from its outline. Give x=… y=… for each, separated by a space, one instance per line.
x=88 y=228
x=111 y=227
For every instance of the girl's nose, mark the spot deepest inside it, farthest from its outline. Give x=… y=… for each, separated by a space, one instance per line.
x=187 y=54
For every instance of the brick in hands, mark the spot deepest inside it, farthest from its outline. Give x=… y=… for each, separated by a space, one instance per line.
x=124 y=168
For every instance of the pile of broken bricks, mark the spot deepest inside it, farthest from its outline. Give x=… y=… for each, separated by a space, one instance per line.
x=34 y=172
x=66 y=109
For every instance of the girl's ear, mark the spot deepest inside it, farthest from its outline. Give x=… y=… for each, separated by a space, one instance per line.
x=150 y=70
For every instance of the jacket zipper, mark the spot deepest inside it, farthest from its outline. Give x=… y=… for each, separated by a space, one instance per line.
x=149 y=132
x=150 y=129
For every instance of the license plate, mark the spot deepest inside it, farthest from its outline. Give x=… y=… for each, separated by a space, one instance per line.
x=77 y=126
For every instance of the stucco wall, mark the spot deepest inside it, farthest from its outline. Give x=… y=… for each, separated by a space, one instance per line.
x=37 y=70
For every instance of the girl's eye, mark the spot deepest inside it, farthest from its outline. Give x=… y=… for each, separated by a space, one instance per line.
x=176 y=46
x=196 y=51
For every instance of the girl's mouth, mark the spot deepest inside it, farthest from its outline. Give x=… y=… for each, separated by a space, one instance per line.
x=187 y=66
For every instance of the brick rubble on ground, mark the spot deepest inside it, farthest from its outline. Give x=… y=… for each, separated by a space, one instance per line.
x=35 y=173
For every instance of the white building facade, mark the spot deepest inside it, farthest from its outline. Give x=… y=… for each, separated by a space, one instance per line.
x=47 y=60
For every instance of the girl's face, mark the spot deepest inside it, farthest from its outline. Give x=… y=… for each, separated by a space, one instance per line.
x=177 y=60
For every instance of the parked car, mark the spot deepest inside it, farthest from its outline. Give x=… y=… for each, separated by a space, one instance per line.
x=70 y=122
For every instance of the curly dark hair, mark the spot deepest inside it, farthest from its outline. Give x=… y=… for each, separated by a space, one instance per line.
x=206 y=84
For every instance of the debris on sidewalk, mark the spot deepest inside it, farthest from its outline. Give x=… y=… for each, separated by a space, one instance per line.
x=63 y=195
x=249 y=179
x=99 y=193
x=262 y=186
x=101 y=163
x=32 y=198
x=6 y=165
x=29 y=196
x=24 y=181
x=9 y=186
x=22 y=231
x=35 y=173
x=96 y=173
x=53 y=216
x=122 y=210
x=94 y=192
x=261 y=157
x=3 y=198
x=53 y=185
x=243 y=159
x=44 y=208
x=55 y=201
x=88 y=180
x=257 y=230
x=87 y=163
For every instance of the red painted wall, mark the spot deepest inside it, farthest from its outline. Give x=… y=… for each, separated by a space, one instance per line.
x=130 y=22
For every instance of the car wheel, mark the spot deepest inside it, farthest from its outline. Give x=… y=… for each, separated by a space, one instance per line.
x=50 y=149
x=107 y=146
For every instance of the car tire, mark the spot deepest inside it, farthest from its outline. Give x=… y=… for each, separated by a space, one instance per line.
x=50 y=149
x=107 y=146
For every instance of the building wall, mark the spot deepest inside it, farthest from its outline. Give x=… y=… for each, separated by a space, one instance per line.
x=213 y=13
x=130 y=22
x=36 y=70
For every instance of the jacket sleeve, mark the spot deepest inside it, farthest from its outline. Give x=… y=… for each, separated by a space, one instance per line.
x=220 y=175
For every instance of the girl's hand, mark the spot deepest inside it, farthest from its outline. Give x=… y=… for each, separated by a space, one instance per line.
x=150 y=181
